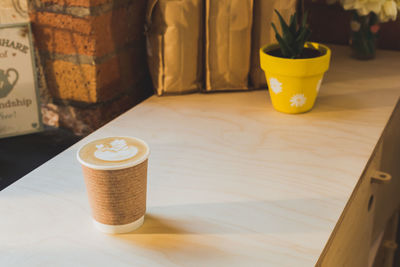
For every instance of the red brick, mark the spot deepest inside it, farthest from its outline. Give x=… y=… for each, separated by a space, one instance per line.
x=71 y=81
x=64 y=42
x=89 y=94
x=96 y=83
x=91 y=35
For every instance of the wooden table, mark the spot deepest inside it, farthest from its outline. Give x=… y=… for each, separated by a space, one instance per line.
x=231 y=181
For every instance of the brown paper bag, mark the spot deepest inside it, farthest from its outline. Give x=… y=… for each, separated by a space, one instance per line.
x=228 y=44
x=174 y=45
x=263 y=33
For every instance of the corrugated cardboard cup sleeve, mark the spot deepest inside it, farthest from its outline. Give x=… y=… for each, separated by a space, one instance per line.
x=117 y=197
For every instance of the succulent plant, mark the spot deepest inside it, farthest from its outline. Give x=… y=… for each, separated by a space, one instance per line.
x=293 y=37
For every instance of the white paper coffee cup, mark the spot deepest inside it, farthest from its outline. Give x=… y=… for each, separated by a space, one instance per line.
x=115 y=172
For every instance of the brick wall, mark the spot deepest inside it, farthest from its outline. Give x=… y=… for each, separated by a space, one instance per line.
x=92 y=54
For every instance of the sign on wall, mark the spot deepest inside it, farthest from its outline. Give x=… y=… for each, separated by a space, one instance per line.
x=19 y=104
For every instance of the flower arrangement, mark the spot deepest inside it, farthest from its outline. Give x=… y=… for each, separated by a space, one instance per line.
x=367 y=14
x=384 y=9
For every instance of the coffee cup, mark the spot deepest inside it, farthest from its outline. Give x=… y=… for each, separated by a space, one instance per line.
x=115 y=173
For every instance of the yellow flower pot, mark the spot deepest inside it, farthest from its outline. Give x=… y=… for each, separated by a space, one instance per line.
x=294 y=83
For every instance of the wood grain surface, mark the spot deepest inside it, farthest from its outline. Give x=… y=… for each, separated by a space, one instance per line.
x=231 y=182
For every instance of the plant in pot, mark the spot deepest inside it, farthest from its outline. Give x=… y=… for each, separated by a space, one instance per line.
x=294 y=67
x=366 y=18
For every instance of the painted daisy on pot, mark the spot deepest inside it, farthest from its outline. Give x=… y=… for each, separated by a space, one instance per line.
x=367 y=14
x=298 y=100
x=275 y=85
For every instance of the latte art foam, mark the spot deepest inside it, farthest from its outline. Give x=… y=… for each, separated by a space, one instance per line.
x=117 y=150
x=113 y=153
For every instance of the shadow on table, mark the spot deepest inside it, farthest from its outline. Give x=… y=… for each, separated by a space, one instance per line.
x=202 y=231
x=206 y=231
x=250 y=217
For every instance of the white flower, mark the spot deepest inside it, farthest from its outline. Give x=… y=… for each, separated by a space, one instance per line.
x=355 y=26
x=384 y=9
x=319 y=85
x=364 y=7
x=276 y=86
x=389 y=10
x=298 y=100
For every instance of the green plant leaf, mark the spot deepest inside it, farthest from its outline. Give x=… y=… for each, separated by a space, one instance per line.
x=274 y=27
x=305 y=17
x=293 y=36
x=286 y=50
x=286 y=33
x=293 y=23
x=303 y=34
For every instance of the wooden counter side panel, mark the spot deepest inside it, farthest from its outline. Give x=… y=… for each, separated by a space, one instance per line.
x=388 y=195
x=365 y=213
x=350 y=241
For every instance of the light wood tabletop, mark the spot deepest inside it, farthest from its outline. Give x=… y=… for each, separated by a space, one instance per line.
x=231 y=182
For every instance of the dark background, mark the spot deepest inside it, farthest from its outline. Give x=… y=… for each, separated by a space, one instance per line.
x=331 y=24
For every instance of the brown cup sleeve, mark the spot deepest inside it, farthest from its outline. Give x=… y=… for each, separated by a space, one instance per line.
x=117 y=197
